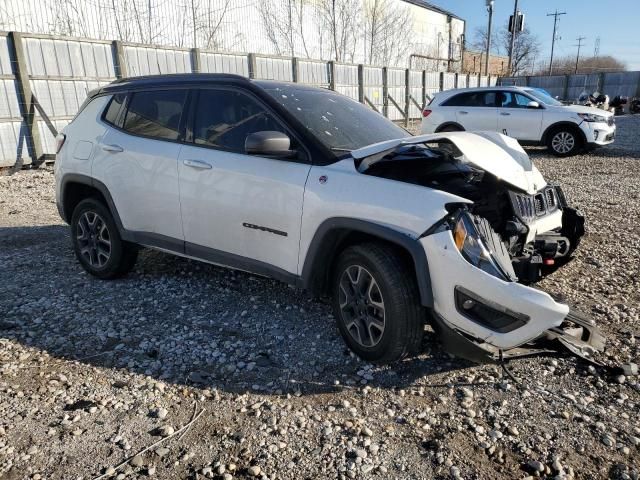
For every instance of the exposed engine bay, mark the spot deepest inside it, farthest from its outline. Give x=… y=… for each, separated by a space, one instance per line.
x=510 y=212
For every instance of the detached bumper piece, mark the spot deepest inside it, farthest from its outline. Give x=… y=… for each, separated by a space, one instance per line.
x=578 y=335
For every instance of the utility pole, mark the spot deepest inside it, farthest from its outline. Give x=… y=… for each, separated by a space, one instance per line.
x=596 y=47
x=486 y=58
x=513 y=35
x=553 y=40
x=580 y=39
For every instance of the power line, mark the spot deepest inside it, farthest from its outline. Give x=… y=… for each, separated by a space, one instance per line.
x=579 y=39
x=553 y=40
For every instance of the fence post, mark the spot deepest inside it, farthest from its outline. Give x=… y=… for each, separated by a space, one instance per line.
x=407 y=93
x=195 y=60
x=119 y=62
x=601 y=82
x=565 y=88
x=361 y=83
x=332 y=75
x=253 y=65
x=295 y=69
x=479 y=79
x=441 y=82
x=455 y=80
x=25 y=98
x=385 y=93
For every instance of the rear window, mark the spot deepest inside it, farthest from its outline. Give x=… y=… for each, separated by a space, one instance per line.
x=472 y=99
x=113 y=109
x=155 y=113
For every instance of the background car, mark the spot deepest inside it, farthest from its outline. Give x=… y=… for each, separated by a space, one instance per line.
x=526 y=114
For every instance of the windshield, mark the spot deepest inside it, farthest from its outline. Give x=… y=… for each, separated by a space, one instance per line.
x=340 y=123
x=543 y=97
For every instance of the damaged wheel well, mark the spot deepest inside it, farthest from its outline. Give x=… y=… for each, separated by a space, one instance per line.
x=337 y=234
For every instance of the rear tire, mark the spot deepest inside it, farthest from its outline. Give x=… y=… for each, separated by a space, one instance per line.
x=376 y=303
x=97 y=243
x=564 y=142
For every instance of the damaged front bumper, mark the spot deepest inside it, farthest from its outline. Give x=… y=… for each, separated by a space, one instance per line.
x=484 y=318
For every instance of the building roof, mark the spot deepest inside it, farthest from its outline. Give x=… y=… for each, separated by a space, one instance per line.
x=435 y=8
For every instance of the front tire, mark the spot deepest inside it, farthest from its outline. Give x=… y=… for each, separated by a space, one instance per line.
x=564 y=142
x=97 y=243
x=376 y=303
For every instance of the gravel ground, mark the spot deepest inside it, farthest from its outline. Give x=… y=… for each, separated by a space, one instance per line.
x=92 y=372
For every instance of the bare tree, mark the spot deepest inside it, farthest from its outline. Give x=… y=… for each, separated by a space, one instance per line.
x=341 y=20
x=567 y=64
x=386 y=27
x=525 y=49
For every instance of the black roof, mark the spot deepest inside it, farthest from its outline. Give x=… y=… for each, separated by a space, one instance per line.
x=172 y=79
x=435 y=8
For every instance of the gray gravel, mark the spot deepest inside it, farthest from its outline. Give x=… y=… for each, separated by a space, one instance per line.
x=92 y=372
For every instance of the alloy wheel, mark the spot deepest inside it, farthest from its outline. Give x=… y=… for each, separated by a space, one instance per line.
x=362 y=306
x=563 y=142
x=94 y=239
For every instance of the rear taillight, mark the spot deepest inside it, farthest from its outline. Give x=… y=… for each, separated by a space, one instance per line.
x=426 y=112
x=60 y=138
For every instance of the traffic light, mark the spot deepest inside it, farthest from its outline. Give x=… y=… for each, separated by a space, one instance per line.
x=519 y=22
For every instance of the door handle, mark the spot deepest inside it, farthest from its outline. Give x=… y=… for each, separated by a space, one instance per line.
x=463 y=112
x=197 y=164
x=112 y=148
x=505 y=114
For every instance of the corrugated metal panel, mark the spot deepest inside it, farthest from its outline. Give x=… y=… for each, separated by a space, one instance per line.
x=268 y=68
x=5 y=62
x=463 y=81
x=347 y=80
x=484 y=81
x=415 y=90
x=11 y=144
x=473 y=81
x=432 y=83
x=621 y=83
x=224 y=63
x=580 y=83
x=554 y=84
x=396 y=89
x=154 y=61
x=373 y=86
x=449 y=81
x=313 y=73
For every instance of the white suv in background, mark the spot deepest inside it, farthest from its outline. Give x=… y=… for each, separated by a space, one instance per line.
x=313 y=188
x=527 y=114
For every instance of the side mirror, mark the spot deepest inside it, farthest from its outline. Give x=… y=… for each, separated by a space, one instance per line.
x=533 y=104
x=269 y=144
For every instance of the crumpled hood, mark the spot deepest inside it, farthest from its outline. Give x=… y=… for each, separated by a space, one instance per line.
x=492 y=152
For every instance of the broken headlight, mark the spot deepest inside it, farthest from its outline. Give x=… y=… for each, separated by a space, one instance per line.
x=472 y=247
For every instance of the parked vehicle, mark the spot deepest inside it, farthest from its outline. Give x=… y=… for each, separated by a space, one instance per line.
x=634 y=106
x=310 y=187
x=595 y=99
x=523 y=113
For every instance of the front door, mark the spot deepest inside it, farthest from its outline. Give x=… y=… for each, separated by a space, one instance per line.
x=238 y=209
x=515 y=119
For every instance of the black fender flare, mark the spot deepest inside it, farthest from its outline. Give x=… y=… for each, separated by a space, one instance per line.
x=573 y=126
x=69 y=178
x=329 y=234
x=449 y=124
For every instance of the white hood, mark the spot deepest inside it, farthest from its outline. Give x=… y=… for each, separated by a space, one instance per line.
x=492 y=152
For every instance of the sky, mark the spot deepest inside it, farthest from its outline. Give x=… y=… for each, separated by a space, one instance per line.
x=614 y=21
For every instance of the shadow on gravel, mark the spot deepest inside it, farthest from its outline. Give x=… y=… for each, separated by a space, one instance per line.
x=183 y=322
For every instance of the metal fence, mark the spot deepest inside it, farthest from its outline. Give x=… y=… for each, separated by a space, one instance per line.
x=44 y=79
x=569 y=87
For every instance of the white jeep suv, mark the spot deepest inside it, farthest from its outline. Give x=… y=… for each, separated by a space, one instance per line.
x=527 y=114
x=310 y=187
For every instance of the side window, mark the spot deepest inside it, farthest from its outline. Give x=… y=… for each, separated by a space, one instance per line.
x=460 y=100
x=155 y=113
x=113 y=109
x=225 y=118
x=513 y=100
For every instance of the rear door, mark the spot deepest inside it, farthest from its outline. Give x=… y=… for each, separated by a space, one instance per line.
x=475 y=110
x=515 y=119
x=238 y=209
x=137 y=160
